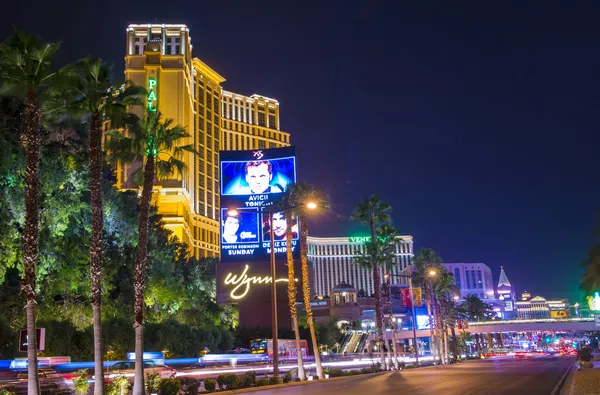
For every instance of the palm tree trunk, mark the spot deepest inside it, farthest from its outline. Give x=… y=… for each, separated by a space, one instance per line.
x=95 y=148
x=140 y=271
x=439 y=331
x=306 y=294
x=378 y=307
x=431 y=325
x=292 y=292
x=454 y=343
x=392 y=325
x=31 y=141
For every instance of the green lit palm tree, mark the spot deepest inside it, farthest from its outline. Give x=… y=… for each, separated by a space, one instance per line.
x=26 y=72
x=427 y=261
x=301 y=194
x=156 y=144
x=374 y=212
x=475 y=309
x=89 y=93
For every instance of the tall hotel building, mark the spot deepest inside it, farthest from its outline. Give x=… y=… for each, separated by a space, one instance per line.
x=332 y=259
x=187 y=90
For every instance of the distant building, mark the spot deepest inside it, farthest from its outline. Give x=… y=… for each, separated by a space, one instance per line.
x=525 y=295
x=506 y=295
x=534 y=308
x=333 y=263
x=472 y=279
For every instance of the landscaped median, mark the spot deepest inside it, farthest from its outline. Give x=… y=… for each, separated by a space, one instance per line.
x=291 y=383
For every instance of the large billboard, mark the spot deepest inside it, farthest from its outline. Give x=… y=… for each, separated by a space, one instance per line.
x=251 y=181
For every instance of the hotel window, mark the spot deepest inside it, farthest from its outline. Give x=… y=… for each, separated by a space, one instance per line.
x=261 y=118
x=272 y=123
x=216 y=106
x=457 y=277
x=140 y=45
x=173 y=46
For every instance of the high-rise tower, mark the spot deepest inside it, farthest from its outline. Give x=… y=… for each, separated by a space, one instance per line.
x=185 y=89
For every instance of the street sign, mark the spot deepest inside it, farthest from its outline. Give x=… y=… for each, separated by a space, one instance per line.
x=418 y=297
x=405 y=297
x=24 y=341
x=597 y=319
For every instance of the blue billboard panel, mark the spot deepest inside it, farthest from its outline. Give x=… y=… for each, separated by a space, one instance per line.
x=251 y=182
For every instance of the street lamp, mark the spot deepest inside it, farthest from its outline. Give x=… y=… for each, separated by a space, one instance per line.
x=274 y=326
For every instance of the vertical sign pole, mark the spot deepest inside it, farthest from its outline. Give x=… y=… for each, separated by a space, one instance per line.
x=414 y=325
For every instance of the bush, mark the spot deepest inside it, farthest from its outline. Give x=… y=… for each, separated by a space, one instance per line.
x=249 y=379
x=210 y=385
x=119 y=383
x=152 y=383
x=261 y=382
x=190 y=386
x=170 y=387
x=585 y=354
x=81 y=384
x=273 y=380
x=336 y=373
x=225 y=380
x=4 y=391
x=287 y=377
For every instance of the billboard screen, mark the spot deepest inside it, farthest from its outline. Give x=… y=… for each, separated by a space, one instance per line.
x=251 y=181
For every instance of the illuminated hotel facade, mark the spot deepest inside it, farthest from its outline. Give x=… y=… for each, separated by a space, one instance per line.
x=333 y=263
x=185 y=89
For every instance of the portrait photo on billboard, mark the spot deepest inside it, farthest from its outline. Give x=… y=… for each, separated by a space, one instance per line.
x=254 y=177
x=239 y=226
x=279 y=227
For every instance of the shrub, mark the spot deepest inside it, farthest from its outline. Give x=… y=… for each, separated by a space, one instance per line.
x=225 y=380
x=4 y=391
x=120 y=385
x=273 y=380
x=336 y=373
x=81 y=384
x=585 y=354
x=261 y=382
x=190 y=386
x=152 y=383
x=249 y=379
x=170 y=387
x=210 y=385
x=287 y=377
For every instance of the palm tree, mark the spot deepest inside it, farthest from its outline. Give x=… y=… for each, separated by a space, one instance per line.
x=475 y=309
x=451 y=313
x=444 y=289
x=90 y=94
x=374 y=212
x=26 y=72
x=301 y=194
x=387 y=235
x=283 y=204
x=155 y=143
x=427 y=261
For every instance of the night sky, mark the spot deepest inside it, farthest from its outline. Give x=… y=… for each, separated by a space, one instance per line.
x=478 y=124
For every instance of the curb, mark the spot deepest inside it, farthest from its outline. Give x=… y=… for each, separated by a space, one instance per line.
x=297 y=383
x=566 y=382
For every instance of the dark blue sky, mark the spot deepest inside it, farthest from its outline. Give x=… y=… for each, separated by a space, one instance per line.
x=477 y=123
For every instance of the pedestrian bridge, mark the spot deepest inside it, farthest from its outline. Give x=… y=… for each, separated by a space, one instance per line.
x=543 y=325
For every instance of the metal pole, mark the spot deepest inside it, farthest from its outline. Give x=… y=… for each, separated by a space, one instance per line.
x=274 y=331
x=414 y=317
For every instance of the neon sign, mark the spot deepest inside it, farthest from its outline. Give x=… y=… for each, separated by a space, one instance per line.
x=363 y=239
x=151 y=94
x=242 y=282
x=594 y=302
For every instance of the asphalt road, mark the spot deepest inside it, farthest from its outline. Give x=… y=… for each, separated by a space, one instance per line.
x=536 y=375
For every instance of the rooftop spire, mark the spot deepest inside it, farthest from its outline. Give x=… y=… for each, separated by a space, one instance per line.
x=503 y=279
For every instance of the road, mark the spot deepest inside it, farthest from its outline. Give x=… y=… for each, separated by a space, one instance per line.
x=532 y=376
